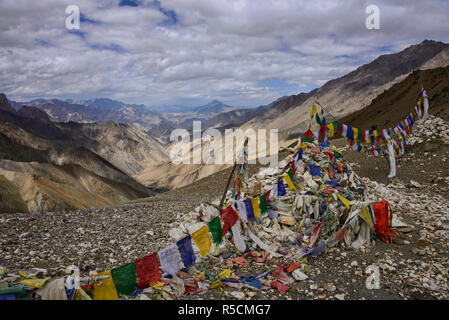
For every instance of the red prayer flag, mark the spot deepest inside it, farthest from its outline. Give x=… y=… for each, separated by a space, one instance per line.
x=293 y=266
x=308 y=134
x=229 y=218
x=281 y=287
x=341 y=233
x=267 y=195
x=147 y=270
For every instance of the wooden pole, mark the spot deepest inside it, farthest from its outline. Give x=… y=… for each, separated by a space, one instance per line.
x=223 y=198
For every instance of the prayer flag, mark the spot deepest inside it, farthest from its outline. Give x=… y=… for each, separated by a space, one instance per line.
x=255 y=204
x=215 y=229
x=281 y=189
x=263 y=204
x=147 y=270
x=345 y=201
x=202 y=240
x=229 y=218
x=186 y=251
x=169 y=259
x=125 y=279
x=289 y=181
x=249 y=210
x=107 y=290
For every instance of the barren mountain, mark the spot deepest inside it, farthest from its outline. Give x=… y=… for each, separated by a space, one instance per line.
x=350 y=93
x=394 y=104
x=52 y=166
x=101 y=110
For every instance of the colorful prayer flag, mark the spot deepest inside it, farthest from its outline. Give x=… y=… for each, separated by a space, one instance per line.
x=215 y=229
x=125 y=279
x=107 y=290
x=186 y=251
x=229 y=218
x=202 y=240
x=169 y=259
x=147 y=270
x=255 y=204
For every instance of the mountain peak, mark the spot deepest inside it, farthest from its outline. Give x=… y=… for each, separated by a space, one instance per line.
x=4 y=104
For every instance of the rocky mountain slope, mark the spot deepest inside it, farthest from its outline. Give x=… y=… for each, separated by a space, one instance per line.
x=347 y=94
x=52 y=166
x=392 y=105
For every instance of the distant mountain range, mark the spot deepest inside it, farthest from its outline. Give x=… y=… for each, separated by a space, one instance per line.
x=156 y=123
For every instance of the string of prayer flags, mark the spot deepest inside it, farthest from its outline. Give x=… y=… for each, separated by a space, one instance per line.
x=107 y=290
x=186 y=251
x=345 y=201
x=125 y=279
x=169 y=259
x=229 y=218
x=215 y=229
x=263 y=204
x=202 y=240
x=147 y=271
x=255 y=205
x=249 y=210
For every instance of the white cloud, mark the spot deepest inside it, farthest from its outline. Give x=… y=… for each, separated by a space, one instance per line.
x=217 y=49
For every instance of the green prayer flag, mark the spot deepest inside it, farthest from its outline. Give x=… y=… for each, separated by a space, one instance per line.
x=215 y=229
x=336 y=154
x=263 y=204
x=125 y=279
x=335 y=127
x=317 y=118
x=359 y=134
x=290 y=174
x=309 y=140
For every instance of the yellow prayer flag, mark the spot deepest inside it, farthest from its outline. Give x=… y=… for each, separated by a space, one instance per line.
x=336 y=149
x=366 y=216
x=256 y=210
x=107 y=290
x=345 y=201
x=225 y=274
x=312 y=111
x=216 y=284
x=356 y=133
x=330 y=126
x=80 y=294
x=35 y=283
x=290 y=184
x=202 y=240
x=157 y=285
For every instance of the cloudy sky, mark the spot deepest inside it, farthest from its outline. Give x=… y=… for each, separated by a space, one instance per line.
x=243 y=52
